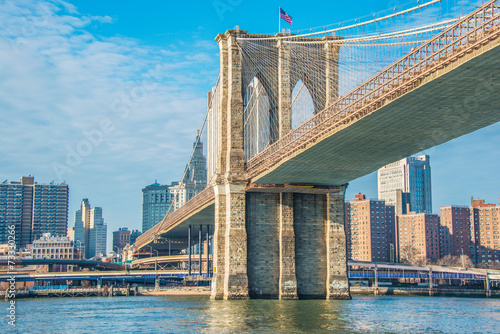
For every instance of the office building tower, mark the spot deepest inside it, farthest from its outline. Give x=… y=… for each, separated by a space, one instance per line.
x=33 y=209
x=90 y=230
x=418 y=237
x=370 y=229
x=158 y=199
x=411 y=176
x=197 y=171
x=484 y=231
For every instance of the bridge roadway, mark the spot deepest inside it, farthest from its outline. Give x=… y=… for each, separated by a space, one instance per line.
x=454 y=97
x=95 y=275
x=432 y=99
x=398 y=271
x=79 y=263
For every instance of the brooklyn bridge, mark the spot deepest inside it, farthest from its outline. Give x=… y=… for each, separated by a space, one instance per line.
x=293 y=118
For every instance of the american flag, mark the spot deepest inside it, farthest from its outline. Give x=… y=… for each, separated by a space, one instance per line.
x=285 y=16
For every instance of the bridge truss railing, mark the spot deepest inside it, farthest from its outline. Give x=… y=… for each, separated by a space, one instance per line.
x=198 y=201
x=462 y=37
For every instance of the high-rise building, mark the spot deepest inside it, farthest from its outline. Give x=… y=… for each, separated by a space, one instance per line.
x=455 y=234
x=196 y=176
x=158 y=199
x=484 y=231
x=370 y=230
x=34 y=209
x=411 y=176
x=90 y=230
x=418 y=236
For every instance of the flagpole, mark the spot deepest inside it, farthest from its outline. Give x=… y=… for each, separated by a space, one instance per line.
x=279 y=20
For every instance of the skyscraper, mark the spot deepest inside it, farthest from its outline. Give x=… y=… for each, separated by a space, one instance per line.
x=90 y=230
x=157 y=199
x=196 y=175
x=34 y=209
x=411 y=176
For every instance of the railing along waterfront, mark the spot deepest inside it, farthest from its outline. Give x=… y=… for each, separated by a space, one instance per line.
x=462 y=37
x=198 y=201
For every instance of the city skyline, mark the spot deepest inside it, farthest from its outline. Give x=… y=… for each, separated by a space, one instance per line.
x=108 y=98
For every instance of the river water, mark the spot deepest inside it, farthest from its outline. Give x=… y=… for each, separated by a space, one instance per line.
x=197 y=314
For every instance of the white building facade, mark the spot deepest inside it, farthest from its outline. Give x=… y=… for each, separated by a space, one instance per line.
x=50 y=247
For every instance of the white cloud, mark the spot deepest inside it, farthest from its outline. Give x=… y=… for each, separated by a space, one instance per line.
x=58 y=81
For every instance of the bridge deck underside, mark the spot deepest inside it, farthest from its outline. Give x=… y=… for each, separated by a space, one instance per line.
x=462 y=100
x=179 y=231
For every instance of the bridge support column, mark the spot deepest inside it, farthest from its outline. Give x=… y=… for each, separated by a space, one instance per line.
x=336 y=251
x=487 y=284
x=431 y=283
x=309 y=215
x=219 y=240
x=207 y=250
x=287 y=278
x=200 y=250
x=189 y=250
x=262 y=223
x=235 y=278
x=230 y=239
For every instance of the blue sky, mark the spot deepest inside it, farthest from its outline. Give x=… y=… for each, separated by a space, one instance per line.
x=107 y=96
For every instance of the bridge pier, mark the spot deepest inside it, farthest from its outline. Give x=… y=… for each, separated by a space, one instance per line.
x=287 y=276
x=219 y=241
x=235 y=278
x=230 y=279
x=295 y=244
x=336 y=247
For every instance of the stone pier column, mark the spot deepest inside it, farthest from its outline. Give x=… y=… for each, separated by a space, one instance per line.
x=219 y=256
x=336 y=253
x=309 y=216
x=263 y=246
x=284 y=90
x=219 y=262
x=235 y=272
x=331 y=70
x=230 y=241
x=287 y=278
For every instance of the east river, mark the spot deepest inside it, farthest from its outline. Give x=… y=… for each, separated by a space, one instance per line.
x=197 y=314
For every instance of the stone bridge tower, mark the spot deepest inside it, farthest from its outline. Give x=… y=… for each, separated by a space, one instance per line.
x=274 y=241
